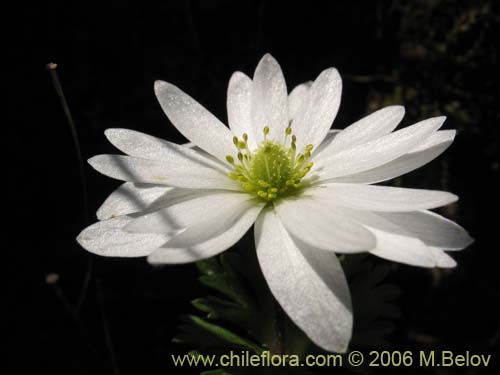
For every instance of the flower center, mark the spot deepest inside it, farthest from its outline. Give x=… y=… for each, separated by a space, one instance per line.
x=273 y=169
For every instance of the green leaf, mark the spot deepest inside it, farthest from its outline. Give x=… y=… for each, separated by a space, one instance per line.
x=217 y=308
x=217 y=372
x=219 y=274
x=225 y=334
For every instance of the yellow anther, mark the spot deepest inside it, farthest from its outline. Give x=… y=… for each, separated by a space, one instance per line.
x=274 y=169
x=262 y=194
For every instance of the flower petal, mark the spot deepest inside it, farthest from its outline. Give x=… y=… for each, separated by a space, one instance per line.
x=144 y=146
x=298 y=96
x=213 y=224
x=130 y=198
x=223 y=240
x=330 y=136
x=430 y=149
x=371 y=127
x=193 y=121
x=107 y=238
x=394 y=243
x=181 y=173
x=269 y=100
x=442 y=259
x=239 y=106
x=322 y=227
x=188 y=209
x=308 y=283
x=382 y=198
x=376 y=152
x=316 y=115
x=432 y=229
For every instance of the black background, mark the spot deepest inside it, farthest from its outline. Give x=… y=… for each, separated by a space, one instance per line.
x=109 y=55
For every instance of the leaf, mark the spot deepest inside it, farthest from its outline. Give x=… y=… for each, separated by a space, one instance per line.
x=371 y=300
x=218 y=274
x=225 y=334
x=219 y=309
x=217 y=372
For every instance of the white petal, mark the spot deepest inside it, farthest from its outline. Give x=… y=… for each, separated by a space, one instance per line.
x=431 y=228
x=371 y=127
x=308 y=283
x=269 y=100
x=316 y=115
x=188 y=209
x=107 y=238
x=193 y=121
x=213 y=224
x=239 y=106
x=437 y=138
x=144 y=146
x=213 y=246
x=185 y=173
x=430 y=149
x=323 y=227
x=130 y=198
x=377 y=152
x=298 y=96
x=330 y=136
x=393 y=243
x=383 y=198
x=442 y=259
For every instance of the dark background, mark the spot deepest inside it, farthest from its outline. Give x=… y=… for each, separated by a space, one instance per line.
x=435 y=57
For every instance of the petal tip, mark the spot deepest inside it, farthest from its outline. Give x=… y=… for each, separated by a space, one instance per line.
x=93 y=161
x=160 y=86
x=111 y=133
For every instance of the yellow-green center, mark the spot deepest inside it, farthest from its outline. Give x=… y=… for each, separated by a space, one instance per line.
x=273 y=169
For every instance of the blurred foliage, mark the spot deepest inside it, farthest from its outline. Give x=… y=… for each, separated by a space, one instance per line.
x=446 y=65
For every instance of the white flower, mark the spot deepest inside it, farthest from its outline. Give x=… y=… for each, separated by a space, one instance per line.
x=308 y=189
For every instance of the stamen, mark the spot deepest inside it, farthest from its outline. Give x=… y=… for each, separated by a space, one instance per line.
x=273 y=169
